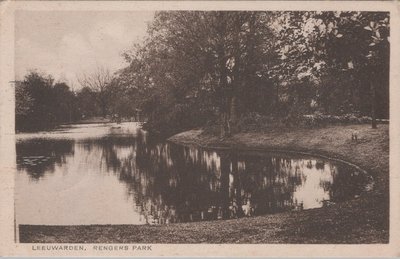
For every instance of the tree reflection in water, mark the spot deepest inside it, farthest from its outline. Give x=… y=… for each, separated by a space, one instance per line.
x=40 y=156
x=171 y=183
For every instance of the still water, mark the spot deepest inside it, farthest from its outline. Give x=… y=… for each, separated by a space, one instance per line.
x=118 y=174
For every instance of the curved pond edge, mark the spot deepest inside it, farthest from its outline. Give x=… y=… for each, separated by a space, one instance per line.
x=369 y=187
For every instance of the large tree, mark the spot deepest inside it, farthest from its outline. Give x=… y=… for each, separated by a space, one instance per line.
x=196 y=66
x=338 y=60
x=202 y=60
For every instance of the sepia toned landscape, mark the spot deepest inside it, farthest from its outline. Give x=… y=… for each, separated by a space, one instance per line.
x=202 y=127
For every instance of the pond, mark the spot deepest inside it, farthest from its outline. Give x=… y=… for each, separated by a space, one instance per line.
x=119 y=174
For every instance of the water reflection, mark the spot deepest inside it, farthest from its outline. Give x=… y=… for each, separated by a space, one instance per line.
x=40 y=156
x=166 y=183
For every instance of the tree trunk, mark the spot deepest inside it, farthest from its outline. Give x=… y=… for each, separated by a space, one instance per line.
x=222 y=124
x=373 y=104
x=222 y=59
x=225 y=125
x=233 y=110
x=104 y=110
x=235 y=85
x=225 y=128
x=103 y=106
x=225 y=100
x=232 y=123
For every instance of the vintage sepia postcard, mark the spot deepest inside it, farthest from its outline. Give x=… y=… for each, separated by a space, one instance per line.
x=199 y=128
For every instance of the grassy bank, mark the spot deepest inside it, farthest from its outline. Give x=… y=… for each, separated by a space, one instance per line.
x=371 y=151
x=362 y=220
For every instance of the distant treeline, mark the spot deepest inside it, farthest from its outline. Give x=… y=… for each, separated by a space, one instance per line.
x=42 y=103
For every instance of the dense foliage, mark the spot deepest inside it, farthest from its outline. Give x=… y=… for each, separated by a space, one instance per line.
x=198 y=67
x=222 y=68
x=42 y=103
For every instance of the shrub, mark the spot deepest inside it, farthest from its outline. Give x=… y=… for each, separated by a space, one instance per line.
x=319 y=119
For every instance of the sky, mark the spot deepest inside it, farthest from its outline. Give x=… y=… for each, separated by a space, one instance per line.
x=67 y=44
